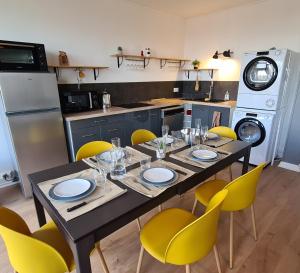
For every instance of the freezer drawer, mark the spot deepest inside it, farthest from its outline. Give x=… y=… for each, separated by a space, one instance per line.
x=39 y=143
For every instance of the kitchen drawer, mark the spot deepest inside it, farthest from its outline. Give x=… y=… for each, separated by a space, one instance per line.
x=85 y=135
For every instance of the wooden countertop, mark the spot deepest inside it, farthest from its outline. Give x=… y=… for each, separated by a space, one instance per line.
x=156 y=103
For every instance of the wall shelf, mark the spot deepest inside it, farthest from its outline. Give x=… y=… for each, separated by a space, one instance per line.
x=146 y=60
x=96 y=69
x=210 y=71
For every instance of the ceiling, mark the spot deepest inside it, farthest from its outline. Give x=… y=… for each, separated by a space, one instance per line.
x=191 y=8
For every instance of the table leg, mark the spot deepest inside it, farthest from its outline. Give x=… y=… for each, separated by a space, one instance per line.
x=39 y=211
x=246 y=161
x=81 y=251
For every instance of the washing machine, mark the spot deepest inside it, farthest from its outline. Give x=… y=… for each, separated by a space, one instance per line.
x=258 y=127
x=264 y=76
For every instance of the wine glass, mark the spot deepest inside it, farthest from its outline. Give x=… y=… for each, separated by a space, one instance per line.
x=165 y=130
x=203 y=133
x=198 y=123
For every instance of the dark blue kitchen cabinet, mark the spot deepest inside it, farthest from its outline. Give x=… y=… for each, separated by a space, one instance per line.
x=206 y=112
x=155 y=121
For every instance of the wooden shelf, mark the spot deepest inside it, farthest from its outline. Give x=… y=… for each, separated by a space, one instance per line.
x=96 y=69
x=209 y=70
x=146 y=60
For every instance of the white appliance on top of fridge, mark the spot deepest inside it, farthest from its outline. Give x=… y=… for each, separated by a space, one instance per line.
x=31 y=123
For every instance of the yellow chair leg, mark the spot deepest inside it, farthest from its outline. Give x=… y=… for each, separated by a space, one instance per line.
x=217 y=259
x=187 y=268
x=160 y=208
x=230 y=172
x=138 y=224
x=231 y=241
x=194 y=206
x=139 y=265
x=253 y=222
x=102 y=260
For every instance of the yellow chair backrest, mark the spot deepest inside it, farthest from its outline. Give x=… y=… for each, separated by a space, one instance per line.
x=92 y=148
x=141 y=136
x=224 y=132
x=196 y=240
x=242 y=190
x=26 y=254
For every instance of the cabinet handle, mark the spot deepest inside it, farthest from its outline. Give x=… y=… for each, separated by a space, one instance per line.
x=99 y=121
x=88 y=135
x=113 y=130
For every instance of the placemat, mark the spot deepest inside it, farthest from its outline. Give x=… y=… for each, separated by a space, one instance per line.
x=136 y=157
x=218 y=142
x=170 y=148
x=185 y=157
x=133 y=181
x=61 y=206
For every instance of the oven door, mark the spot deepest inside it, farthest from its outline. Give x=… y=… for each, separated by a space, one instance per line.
x=26 y=57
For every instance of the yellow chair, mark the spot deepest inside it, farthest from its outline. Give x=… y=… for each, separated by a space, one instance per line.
x=176 y=236
x=224 y=132
x=142 y=135
x=92 y=148
x=241 y=195
x=44 y=250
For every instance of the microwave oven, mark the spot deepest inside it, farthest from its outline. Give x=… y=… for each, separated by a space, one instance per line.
x=79 y=101
x=22 y=57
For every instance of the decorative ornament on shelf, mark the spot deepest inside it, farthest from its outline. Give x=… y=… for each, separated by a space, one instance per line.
x=63 y=58
x=147 y=52
x=196 y=64
x=120 y=50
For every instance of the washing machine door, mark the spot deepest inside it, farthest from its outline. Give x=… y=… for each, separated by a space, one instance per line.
x=250 y=130
x=260 y=73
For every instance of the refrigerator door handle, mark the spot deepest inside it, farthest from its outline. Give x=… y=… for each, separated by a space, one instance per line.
x=90 y=98
x=12 y=113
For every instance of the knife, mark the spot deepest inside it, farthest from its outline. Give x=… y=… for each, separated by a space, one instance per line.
x=83 y=203
x=180 y=172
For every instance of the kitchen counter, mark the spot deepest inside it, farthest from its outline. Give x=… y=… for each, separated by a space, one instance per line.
x=156 y=103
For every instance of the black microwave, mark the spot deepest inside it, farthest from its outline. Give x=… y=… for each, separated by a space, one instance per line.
x=22 y=57
x=79 y=101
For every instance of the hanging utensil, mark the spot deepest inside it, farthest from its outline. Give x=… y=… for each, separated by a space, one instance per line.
x=197 y=82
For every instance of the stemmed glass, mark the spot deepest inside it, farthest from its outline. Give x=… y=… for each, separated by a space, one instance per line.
x=203 y=133
x=165 y=130
x=198 y=123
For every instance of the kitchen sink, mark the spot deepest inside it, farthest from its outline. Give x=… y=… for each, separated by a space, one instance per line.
x=135 y=105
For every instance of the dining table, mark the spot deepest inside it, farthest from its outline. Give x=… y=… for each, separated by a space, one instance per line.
x=84 y=231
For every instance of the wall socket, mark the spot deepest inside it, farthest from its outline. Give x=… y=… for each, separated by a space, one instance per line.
x=175 y=90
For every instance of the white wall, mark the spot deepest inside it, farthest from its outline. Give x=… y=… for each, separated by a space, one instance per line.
x=91 y=30
x=246 y=28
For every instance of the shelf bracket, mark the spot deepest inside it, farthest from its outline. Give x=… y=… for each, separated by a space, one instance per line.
x=120 y=60
x=187 y=73
x=211 y=73
x=57 y=72
x=96 y=73
x=162 y=63
x=181 y=63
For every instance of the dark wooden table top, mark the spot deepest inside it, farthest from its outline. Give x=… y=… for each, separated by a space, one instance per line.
x=111 y=216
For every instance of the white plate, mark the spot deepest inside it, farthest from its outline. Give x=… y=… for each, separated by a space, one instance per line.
x=212 y=136
x=72 y=187
x=158 y=175
x=169 y=140
x=204 y=154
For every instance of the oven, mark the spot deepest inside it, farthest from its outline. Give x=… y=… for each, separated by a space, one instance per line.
x=173 y=117
x=22 y=57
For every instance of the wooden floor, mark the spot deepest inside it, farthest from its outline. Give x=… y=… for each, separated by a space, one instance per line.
x=278 y=222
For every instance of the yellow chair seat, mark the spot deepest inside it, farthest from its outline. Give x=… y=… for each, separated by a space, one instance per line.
x=158 y=232
x=50 y=235
x=206 y=191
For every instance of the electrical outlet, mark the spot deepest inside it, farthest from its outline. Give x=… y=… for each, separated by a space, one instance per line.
x=175 y=90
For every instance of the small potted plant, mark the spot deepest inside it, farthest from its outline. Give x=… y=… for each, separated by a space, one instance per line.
x=120 y=50
x=196 y=64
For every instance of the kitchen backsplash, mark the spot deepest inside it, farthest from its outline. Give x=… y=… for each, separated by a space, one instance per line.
x=128 y=92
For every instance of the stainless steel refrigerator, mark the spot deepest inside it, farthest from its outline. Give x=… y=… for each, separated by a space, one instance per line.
x=31 y=116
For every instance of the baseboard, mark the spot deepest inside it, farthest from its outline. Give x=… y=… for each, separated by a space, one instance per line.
x=289 y=166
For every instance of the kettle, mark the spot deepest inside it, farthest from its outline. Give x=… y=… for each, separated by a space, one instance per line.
x=106 y=100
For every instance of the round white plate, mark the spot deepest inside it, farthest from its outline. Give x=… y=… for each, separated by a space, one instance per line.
x=212 y=136
x=169 y=140
x=72 y=187
x=204 y=154
x=158 y=175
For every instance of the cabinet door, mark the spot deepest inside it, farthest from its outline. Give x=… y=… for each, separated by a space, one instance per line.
x=155 y=121
x=202 y=112
x=138 y=120
x=85 y=135
x=225 y=115
x=111 y=130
